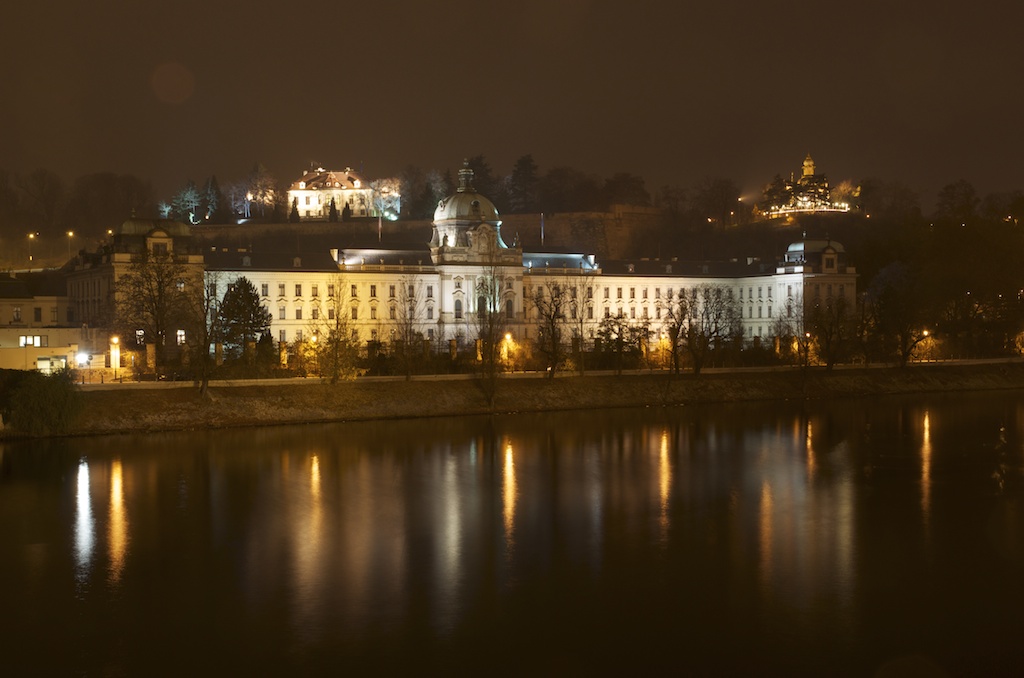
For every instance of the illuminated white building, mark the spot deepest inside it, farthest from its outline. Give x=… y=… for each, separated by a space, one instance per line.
x=437 y=289
x=312 y=194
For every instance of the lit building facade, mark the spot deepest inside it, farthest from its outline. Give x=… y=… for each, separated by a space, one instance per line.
x=439 y=291
x=311 y=195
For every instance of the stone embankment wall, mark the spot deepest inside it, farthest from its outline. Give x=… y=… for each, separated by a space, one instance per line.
x=112 y=409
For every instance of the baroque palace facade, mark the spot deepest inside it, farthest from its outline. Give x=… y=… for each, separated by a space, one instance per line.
x=437 y=289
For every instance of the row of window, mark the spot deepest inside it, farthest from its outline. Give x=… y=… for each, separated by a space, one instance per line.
x=37 y=314
x=353 y=292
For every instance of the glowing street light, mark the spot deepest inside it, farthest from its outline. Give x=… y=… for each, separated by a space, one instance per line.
x=31 y=237
x=71 y=234
x=115 y=354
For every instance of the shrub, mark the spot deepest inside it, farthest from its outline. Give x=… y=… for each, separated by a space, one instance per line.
x=44 y=405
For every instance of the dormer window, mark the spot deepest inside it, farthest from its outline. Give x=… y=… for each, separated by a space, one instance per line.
x=302 y=185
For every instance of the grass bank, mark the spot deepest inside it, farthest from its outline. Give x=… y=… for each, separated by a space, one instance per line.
x=121 y=410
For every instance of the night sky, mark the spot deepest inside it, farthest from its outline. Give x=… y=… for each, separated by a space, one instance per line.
x=921 y=92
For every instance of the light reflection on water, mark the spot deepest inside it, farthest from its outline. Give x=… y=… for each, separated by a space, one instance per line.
x=820 y=538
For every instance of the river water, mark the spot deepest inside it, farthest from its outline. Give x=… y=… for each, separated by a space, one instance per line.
x=874 y=537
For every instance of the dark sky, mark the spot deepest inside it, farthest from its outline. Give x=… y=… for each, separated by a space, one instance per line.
x=922 y=92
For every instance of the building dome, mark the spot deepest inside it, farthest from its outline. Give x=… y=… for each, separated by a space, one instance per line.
x=466 y=204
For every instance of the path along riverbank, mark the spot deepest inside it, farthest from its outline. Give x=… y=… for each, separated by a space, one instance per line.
x=118 y=408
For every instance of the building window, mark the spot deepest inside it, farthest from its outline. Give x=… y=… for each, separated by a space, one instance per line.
x=180 y=286
x=618 y=292
x=657 y=313
x=373 y=313
x=298 y=289
x=316 y=291
x=509 y=309
x=53 y=314
x=430 y=334
x=607 y=312
x=759 y=311
x=606 y=293
x=281 y=313
x=355 y=313
x=412 y=292
x=140 y=337
x=298 y=314
x=769 y=311
x=620 y=312
x=353 y=292
x=645 y=312
x=644 y=293
x=430 y=291
x=180 y=336
x=330 y=291
x=330 y=314
x=430 y=312
x=391 y=291
x=632 y=312
x=265 y=290
x=741 y=294
x=789 y=291
x=373 y=291
x=298 y=335
x=458 y=309
x=590 y=293
x=316 y=314
x=458 y=283
x=657 y=293
x=392 y=312
x=373 y=335
x=282 y=336
x=590 y=312
x=632 y=293
x=37 y=314
x=280 y=289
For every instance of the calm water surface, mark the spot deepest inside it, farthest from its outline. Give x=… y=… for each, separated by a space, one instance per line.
x=857 y=538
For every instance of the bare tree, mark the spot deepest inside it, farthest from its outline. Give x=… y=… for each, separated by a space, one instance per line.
x=550 y=302
x=830 y=326
x=710 y=317
x=204 y=326
x=405 y=313
x=150 y=297
x=336 y=350
x=493 y=302
x=387 y=197
x=580 y=292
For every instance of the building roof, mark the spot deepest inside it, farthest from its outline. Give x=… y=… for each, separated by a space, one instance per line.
x=466 y=204
x=239 y=259
x=322 y=179
x=143 y=227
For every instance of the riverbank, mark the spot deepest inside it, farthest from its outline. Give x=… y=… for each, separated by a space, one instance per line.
x=118 y=410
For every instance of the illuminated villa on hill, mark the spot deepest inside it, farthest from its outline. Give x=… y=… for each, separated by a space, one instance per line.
x=808 y=194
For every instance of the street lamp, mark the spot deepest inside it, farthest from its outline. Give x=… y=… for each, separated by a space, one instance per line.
x=71 y=234
x=115 y=354
x=31 y=237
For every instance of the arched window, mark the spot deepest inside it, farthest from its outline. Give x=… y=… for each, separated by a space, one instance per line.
x=481 y=306
x=458 y=309
x=509 y=309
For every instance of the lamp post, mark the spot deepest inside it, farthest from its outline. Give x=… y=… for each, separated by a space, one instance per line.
x=31 y=237
x=115 y=354
x=71 y=234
